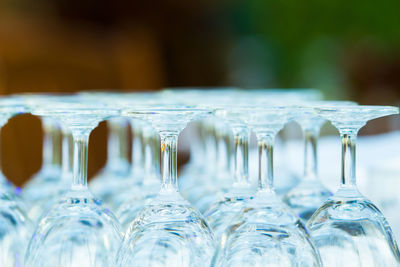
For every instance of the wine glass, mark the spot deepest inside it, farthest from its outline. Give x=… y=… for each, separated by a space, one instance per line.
x=116 y=171
x=307 y=196
x=115 y=183
x=48 y=177
x=265 y=232
x=168 y=231
x=206 y=146
x=54 y=179
x=150 y=184
x=216 y=178
x=348 y=229
x=77 y=230
x=106 y=183
x=223 y=210
x=15 y=227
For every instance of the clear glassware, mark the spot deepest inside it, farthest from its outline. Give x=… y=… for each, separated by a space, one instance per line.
x=52 y=181
x=307 y=196
x=122 y=189
x=106 y=184
x=287 y=179
x=217 y=182
x=348 y=229
x=223 y=210
x=111 y=180
x=15 y=226
x=116 y=185
x=216 y=178
x=168 y=231
x=77 y=230
x=204 y=149
x=265 y=232
x=150 y=184
x=43 y=184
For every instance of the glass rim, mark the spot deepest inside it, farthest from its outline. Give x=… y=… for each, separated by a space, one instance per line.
x=359 y=108
x=163 y=110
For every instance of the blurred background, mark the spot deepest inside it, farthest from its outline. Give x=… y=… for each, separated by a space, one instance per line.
x=348 y=49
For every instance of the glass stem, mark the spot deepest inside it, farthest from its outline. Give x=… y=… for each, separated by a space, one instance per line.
x=151 y=160
x=137 y=149
x=310 y=153
x=51 y=143
x=81 y=142
x=210 y=146
x=197 y=153
x=241 y=139
x=223 y=151
x=265 y=163
x=348 y=179
x=67 y=163
x=169 y=162
x=117 y=151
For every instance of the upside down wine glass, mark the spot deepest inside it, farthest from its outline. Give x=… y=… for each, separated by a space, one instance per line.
x=76 y=231
x=198 y=187
x=150 y=184
x=223 y=210
x=117 y=169
x=168 y=231
x=199 y=180
x=265 y=232
x=42 y=185
x=307 y=196
x=115 y=185
x=50 y=183
x=348 y=229
x=15 y=227
x=220 y=180
x=113 y=178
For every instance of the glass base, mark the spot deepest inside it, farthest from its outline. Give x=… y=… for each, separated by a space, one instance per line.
x=306 y=198
x=167 y=232
x=138 y=199
x=212 y=189
x=266 y=233
x=351 y=231
x=221 y=213
x=77 y=231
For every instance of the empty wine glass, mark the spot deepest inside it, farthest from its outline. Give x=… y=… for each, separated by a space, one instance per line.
x=204 y=146
x=307 y=196
x=15 y=227
x=106 y=183
x=168 y=231
x=49 y=175
x=54 y=178
x=150 y=184
x=116 y=172
x=223 y=210
x=265 y=232
x=348 y=229
x=215 y=177
x=218 y=181
x=76 y=231
x=115 y=184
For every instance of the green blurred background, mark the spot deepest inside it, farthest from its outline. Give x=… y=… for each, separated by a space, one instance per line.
x=348 y=49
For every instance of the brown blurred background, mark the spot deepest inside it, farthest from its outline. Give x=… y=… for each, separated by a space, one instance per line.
x=350 y=50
